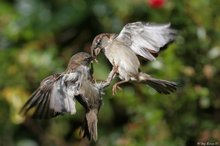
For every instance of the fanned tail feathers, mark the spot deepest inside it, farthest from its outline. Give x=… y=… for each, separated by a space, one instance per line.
x=161 y=86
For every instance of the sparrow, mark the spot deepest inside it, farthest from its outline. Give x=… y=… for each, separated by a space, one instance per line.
x=137 y=38
x=57 y=94
x=90 y=98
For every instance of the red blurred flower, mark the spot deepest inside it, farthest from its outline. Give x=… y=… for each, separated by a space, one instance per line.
x=156 y=3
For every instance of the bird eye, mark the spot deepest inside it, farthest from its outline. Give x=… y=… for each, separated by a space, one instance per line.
x=88 y=59
x=98 y=43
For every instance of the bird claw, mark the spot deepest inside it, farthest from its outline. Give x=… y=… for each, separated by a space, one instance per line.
x=115 y=87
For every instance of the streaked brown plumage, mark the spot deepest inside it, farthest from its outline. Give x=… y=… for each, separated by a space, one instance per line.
x=57 y=93
x=138 y=38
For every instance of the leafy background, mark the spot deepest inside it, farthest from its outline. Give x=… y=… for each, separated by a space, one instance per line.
x=38 y=37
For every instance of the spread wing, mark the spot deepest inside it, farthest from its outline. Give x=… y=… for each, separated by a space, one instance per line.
x=55 y=96
x=146 y=38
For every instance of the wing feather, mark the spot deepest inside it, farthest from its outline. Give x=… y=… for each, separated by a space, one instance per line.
x=146 y=38
x=53 y=97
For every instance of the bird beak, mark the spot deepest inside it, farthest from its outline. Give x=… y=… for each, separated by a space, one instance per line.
x=93 y=59
x=95 y=52
x=96 y=60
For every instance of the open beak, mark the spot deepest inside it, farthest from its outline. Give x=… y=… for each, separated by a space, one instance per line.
x=95 y=53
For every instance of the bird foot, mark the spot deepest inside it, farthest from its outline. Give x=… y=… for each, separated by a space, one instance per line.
x=114 y=88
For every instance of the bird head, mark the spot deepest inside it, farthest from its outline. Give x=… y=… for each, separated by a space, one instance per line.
x=80 y=58
x=100 y=42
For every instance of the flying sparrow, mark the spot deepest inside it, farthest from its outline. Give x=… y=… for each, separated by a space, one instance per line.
x=90 y=97
x=137 y=38
x=57 y=93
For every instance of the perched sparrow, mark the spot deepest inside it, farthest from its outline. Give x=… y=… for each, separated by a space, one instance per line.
x=57 y=93
x=138 y=38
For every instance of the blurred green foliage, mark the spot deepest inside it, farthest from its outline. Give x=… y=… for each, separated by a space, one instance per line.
x=38 y=37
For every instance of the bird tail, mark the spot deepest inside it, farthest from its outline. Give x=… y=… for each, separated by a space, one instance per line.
x=90 y=126
x=161 y=86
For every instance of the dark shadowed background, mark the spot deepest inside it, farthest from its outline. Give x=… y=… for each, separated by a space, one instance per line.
x=38 y=37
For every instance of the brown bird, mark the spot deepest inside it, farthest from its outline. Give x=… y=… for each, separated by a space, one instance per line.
x=137 y=38
x=90 y=97
x=57 y=93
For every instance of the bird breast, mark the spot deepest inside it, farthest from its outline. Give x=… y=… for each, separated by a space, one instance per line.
x=92 y=94
x=122 y=56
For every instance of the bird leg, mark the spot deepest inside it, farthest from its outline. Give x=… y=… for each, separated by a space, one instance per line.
x=116 y=86
x=111 y=76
